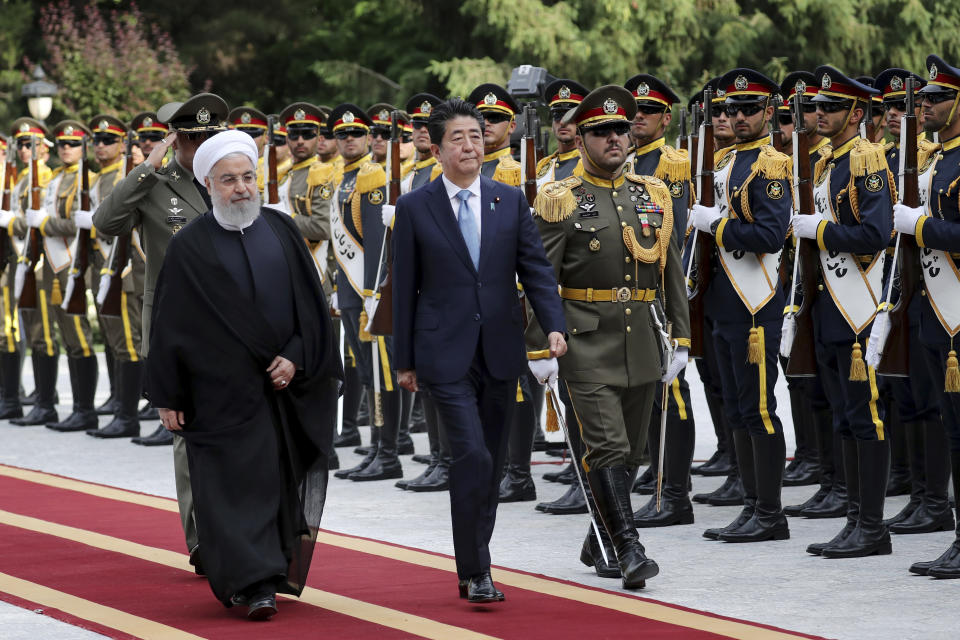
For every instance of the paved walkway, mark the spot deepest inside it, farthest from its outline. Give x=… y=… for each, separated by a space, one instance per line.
x=774 y=583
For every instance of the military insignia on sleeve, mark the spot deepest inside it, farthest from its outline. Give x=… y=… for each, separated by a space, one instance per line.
x=741 y=83
x=325 y=192
x=594 y=244
x=203 y=116
x=676 y=189
x=375 y=196
x=826 y=81
x=774 y=190
x=873 y=182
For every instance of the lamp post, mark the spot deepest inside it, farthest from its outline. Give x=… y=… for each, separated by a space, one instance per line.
x=39 y=94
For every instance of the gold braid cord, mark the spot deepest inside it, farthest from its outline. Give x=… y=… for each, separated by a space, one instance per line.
x=826 y=155
x=658 y=252
x=355 y=213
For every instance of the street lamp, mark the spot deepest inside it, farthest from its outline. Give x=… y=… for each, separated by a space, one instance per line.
x=39 y=94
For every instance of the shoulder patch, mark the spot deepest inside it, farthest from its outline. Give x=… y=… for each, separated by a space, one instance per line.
x=774 y=190
x=370 y=176
x=676 y=189
x=866 y=158
x=555 y=201
x=873 y=182
x=375 y=196
x=674 y=165
x=320 y=173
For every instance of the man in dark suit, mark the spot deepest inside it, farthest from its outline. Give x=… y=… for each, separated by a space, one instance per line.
x=459 y=245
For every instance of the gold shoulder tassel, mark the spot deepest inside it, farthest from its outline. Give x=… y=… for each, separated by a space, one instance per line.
x=826 y=155
x=674 y=164
x=866 y=158
x=771 y=164
x=370 y=176
x=320 y=173
x=363 y=334
x=555 y=201
x=858 y=368
x=755 y=346
x=951 y=382
x=507 y=171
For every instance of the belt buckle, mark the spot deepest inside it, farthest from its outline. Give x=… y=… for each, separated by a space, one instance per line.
x=623 y=294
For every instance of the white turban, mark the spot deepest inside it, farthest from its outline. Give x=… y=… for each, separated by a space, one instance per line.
x=216 y=147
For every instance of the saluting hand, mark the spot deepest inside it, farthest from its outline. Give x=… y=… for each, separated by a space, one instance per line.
x=158 y=152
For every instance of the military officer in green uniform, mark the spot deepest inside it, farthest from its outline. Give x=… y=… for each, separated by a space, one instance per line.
x=425 y=167
x=308 y=187
x=160 y=199
x=561 y=96
x=610 y=238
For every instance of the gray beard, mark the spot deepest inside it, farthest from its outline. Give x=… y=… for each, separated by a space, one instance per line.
x=238 y=214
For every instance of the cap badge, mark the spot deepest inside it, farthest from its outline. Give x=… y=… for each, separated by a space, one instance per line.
x=203 y=116
x=564 y=92
x=384 y=114
x=68 y=130
x=299 y=114
x=348 y=117
x=721 y=93
x=740 y=83
x=826 y=82
x=896 y=83
x=245 y=117
x=643 y=89
x=609 y=106
x=426 y=107
x=148 y=121
x=24 y=127
x=800 y=87
x=933 y=72
x=489 y=99
x=103 y=126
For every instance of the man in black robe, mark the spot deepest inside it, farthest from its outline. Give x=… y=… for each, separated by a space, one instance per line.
x=243 y=366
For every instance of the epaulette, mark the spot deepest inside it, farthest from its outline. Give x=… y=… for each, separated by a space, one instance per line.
x=674 y=165
x=867 y=157
x=544 y=163
x=555 y=201
x=887 y=148
x=771 y=164
x=370 y=176
x=656 y=187
x=436 y=171
x=826 y=155
x=320 y=173
x=925 y=151
x=507 y=172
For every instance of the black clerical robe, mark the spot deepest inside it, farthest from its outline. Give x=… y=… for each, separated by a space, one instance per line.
x=226 y=304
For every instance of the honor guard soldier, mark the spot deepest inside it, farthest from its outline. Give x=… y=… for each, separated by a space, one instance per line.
x=327 y=146
x=358 y=234
x=875 y=116
x=922 y=442
x=610 y=238
x=749 y=224
x=254 y=123
x=851 y=226
x=28 y=135
x=499 y=110
x=425 y=167
x=122 y=333
x=308 y=189
x=561 y=96
x=935 y=226
x=379 y=115
x=159 y=199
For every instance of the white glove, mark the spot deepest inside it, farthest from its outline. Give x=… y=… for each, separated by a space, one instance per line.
x=905 y=218
x=334 y=303
x=787 y=334
x=5 y=218
x=677 y=365
x=35 y=217
x=386 y=213
x=703 y=217
x=545 y=370
x=83 y=219
x=878 y=338
x=805 y=226
x=370 y=306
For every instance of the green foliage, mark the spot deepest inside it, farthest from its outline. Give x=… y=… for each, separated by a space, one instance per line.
x=15 y=22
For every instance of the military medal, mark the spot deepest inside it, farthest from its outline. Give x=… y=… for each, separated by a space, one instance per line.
x=594 y=244
x=643 y=209
x=174 y=220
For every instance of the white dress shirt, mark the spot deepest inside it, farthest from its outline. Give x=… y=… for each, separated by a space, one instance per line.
x=473 y=201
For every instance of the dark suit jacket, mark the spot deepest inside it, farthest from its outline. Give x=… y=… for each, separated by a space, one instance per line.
x=443 y=307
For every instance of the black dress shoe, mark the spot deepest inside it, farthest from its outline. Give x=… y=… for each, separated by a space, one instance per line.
x=195 y=561
x=37 y=416
x=719 y=464
x=517 y=489
x=923 y=520
x=149 y=412
x=565 y=476
x=262 y=608
x=437 y=480
x=480 y=590
x=804 y=473
x=797 y=509
x=947 y=566
x=422 y=458
x=118 y=428
x=569 y=503
x=462 y=587
x=160 y=437
x=817 y=547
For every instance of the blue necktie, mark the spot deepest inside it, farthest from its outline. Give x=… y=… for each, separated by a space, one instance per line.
x=468 y=228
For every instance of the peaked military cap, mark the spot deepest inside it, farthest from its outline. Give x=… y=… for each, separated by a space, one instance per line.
x=746 y=85
x=941 y=77
x=802 y=82
x=325 y=127
x=836 y=87
x=564 y=93
x=649 y=89
x=247 y=118
x=301 y=114
x=892 y=83
x=148 y=121
x=420 y=105
x=719 y=95
x=380 y=114
x=606 y=104
x=202 y=112
x=868 y=81
x=493 y=97
x=278 y=127
x=104 y=124
x=346 y=116
x=70 y=130
x=24 y=127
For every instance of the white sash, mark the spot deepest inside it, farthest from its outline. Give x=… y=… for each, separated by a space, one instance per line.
x=104 y=243
x=284 y=192
x=753 y=275
x=346 y=249
x=319 y=254
x=58 y=250
x=940 y=274
x=854 y=291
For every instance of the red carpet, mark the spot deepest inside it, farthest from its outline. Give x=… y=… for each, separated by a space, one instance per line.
x=69 y=548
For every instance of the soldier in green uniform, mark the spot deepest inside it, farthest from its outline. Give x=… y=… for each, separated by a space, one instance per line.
x=160 y=199
x=610 y=238
x=561 y=96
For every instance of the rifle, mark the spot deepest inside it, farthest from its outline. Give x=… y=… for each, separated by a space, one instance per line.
x=111 y=281
x=803 y=361
x=25 y=284
x=683 y=141
x=702 y=243
x=273 y=194
x=867 y=128
x=382 y=322
x=776 y=134
x=895 y=349
x=75 y=298
x=9 y=178
x=528 y=167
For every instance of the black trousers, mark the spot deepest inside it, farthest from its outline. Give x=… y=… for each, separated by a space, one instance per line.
x=475 y=412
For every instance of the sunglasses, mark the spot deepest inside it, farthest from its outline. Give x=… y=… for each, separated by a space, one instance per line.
x=69 y=143
x=650 y=109
x=326 y=134
x=308 y=134
x=604 y=130
x=747 y=110
x=105 y=140
x=937 y=98
x=195 y=136
x=23 y=144
x=557 y=114
x=895 y=105
x=496 y=118
x=278 y=141
x=785 y=118
x=833 y=107
x=253 y=132
x=380 y=132
x=151 y=136
x=351 y=133
x=417 y=125
x=717 y=110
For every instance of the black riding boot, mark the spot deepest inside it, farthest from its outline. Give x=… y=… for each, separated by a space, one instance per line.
x=748 y=477
x=125 y=423
x=851 y=474
x=947 y=566
x=109 y=407
x=675 y=506
x=834 y=504
x=730 y=493
x=10 y=406
x=385 y=465
x=45 y=381
x=720 y=463
x=822 y=421
x=84 y=415
x=404 y=441
x=646 y=484
x=804 y=468
x=517 y=483
x=915 y=434
x=352 y=393
x=898 y=483
x=372 y=450
x=573 y=500
x=934 y=513
x=767 y=521
x=869 y=537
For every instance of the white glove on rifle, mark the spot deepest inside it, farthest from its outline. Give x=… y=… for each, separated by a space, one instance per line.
x=878 y=339
x=386 y=213
x=370 y=306
x=334 y=303
x=905 y=218
x=35 y=217
x=545 y=370
x=677 y=365
x=703 y=217
x=83 y=219
x=5 y=218
x=805 y=226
